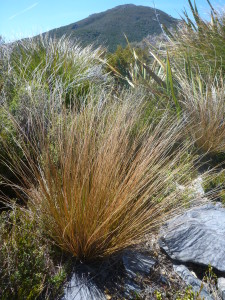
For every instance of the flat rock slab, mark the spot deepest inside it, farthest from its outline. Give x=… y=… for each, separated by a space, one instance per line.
x=131 y=289
x=82 y=289
x=137 y=263
x=221 y=287
x=197 y=236
x=192 y=281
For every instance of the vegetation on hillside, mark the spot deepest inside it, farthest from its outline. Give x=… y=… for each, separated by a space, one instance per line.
x=108 y=28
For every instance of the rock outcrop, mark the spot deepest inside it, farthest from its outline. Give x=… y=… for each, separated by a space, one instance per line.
x=197 y=236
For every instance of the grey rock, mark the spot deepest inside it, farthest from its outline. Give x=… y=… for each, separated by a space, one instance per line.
x=131 y=288
x=221 y=287
x=195 y=189
x=82 y=289
x=197 y=186
x=191 y=280
x=137 y=263
x=197 y=236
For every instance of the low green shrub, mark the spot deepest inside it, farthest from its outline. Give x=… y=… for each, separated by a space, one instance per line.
x=122 y=62
x=27 y=269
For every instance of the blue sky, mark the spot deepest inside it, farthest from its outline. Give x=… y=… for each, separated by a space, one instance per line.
x=22 y=18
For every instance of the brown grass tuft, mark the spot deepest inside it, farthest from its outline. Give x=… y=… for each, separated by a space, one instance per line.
x=97 y=181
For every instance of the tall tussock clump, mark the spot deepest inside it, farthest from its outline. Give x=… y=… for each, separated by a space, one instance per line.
x=36 y=70
x=99 y=179
x=51 y=63
x=204 y=102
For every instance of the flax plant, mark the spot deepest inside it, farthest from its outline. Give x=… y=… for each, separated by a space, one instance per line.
x=200 y=40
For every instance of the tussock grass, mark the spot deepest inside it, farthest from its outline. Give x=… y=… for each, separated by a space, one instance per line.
x=204 y=101
x=97 y=181
x=52 y=64
x=104 y=171
x=34 y=71
x=188 y=72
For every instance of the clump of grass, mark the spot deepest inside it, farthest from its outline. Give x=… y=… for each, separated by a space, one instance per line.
x=52 y=64
x=203 y=100
x=34 y=71
x=95 y=183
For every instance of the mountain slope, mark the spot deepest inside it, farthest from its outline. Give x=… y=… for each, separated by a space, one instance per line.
x=108 y=28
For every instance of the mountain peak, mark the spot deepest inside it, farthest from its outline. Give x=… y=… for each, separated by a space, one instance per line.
x=125 y=6
x=108 y=28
